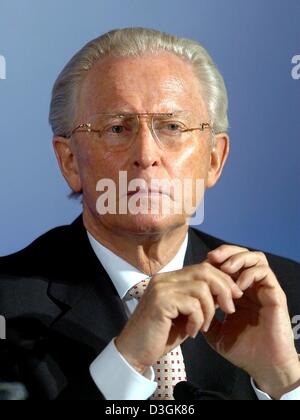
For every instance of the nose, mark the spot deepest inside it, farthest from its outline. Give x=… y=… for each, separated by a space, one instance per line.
x=146 y=151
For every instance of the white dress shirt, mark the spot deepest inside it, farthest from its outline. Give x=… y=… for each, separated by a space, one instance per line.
x=112 y=374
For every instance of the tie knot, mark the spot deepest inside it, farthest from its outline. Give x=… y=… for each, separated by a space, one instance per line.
x=139 y=289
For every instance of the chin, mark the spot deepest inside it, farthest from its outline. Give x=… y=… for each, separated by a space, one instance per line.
x=145 y=224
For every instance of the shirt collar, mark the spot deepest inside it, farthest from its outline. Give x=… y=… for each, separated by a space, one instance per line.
x=125 y=276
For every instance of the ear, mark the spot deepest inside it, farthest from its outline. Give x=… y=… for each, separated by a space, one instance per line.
x=67 y=162
x=218 y=157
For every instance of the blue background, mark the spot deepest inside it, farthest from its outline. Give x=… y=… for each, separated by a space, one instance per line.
x=257 y=201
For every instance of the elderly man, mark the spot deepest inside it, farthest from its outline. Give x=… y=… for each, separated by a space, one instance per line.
x=125 y=305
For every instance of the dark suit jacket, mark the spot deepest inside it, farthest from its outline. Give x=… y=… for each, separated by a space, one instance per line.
x=62 y=310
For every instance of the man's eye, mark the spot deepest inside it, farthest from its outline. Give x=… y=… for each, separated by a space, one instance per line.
x=117 y=129
x=173 y=127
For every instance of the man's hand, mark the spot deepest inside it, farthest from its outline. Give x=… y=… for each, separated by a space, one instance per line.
x=258 y=337
x=175 y=306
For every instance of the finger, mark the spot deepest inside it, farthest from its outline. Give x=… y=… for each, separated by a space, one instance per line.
x=223 y=252
x=207 y=292
x=237 y=293
x=204 y=271
x=218 y=284
x=201 y=291
x=241 y=260
x=223 y=294
x=207 y=304
x=259 y=273
x=216 y=273
x=190 y=307
x=224 y=299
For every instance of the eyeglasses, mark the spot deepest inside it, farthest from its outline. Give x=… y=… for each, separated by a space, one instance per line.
x=118 y=131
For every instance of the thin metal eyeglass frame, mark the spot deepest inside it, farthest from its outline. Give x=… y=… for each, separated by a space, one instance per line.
x=87 y=127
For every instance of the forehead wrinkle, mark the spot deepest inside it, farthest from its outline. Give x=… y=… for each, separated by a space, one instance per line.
x=173 y=84
x=169 y=95
x=173 y=87
x=165 y=99
x=171 y=91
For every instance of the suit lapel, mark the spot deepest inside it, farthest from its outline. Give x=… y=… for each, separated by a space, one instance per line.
x=90 y=305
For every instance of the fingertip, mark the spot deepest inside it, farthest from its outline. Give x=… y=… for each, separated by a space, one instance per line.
x=231 y=307
x=190 y=330
x=227 y=270
x=206 y=327
x=241 y=286
x=238 y=294
x=213 y=255
x=214 y=252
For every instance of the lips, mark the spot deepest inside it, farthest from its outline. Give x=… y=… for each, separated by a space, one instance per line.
x=149 y=192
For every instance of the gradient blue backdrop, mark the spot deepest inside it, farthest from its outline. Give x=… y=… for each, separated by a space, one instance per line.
x=257 y=201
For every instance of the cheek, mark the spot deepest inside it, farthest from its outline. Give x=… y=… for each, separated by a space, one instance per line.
x=95 y=165
x=192 y=163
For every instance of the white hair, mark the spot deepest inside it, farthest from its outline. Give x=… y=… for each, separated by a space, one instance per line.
x=134 y=42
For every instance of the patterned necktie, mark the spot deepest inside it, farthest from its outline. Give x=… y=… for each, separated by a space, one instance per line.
x=170 y=369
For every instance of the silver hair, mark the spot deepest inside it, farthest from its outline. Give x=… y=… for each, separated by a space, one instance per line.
x=134 y=42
